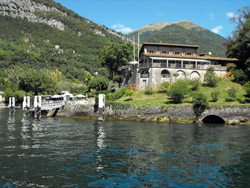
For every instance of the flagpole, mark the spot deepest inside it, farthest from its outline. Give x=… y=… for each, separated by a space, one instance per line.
x=134 y=47
x=138 y=47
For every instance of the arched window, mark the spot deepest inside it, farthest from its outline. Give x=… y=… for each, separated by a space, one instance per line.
x=181 y=75
x=144 y=74
x=165 y=74
x=195 y=75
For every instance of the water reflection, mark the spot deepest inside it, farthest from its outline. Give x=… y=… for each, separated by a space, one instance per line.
x=55 y=152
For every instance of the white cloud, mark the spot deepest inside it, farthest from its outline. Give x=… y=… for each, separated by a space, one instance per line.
x=230 y=14
x=121 y=28
x=160 y=14
x=217 y=29
x=211 y=16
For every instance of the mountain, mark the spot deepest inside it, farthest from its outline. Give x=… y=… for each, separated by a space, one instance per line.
x=44 y=35
x=183 y=32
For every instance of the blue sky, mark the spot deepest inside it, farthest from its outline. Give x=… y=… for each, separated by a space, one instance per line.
x=128 y=15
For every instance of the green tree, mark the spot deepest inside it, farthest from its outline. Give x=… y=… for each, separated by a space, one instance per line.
x=99 y=83
x=239 y=43
x=115 y=56
x=8 y=93
x=200 y=103
x=211 y=78
x=178 y=91
x=37 y=83
x=247 y=88
x=19 y=94
x=232 y=92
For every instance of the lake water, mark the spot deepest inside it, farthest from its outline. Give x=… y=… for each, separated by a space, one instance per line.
x=54 y=152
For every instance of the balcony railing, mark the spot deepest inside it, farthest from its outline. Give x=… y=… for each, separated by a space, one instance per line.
x=144 y=75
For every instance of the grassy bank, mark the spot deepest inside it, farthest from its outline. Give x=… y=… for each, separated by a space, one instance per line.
x=162 y=99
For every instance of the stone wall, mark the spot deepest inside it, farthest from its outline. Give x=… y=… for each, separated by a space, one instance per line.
x=230 y=114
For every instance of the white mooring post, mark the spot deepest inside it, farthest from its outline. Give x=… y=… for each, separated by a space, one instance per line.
x=24 y=102
x=101 y=106
x=37 y=106
x=12 y=105
x=26 y=106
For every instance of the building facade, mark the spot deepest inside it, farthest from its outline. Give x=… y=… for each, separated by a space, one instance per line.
x=161 y=62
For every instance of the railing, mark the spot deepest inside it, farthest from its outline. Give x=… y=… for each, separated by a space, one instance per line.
x=144 y=75
x=52 y=104
x=190 y=66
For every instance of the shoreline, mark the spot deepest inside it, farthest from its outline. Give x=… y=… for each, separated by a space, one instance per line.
x=231 y=115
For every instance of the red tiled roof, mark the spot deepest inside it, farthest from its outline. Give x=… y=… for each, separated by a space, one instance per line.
x=190 y=57
x=166 y=44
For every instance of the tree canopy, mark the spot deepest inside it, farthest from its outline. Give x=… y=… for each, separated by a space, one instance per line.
x=37 y=83
x=115 y=56
x=239 y=43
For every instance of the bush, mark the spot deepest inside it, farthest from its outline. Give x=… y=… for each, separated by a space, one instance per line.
x=200 y=103
x=116 y=95
x=178 y=91
x=164 y=87
x=149 y=91
x=211 y=78
x=240 y=76
x=129 y=92
x=246 y=86
x=214 y=95
x=195 y=84
x=232 y=93
x=118 y=78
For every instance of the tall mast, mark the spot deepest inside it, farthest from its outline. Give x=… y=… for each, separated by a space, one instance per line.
x=134 y=47
x=138 y=47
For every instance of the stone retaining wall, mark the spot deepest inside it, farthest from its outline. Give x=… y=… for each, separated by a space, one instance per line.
x=230 y=114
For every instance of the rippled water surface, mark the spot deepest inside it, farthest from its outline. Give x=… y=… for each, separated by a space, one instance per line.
x=54 y=152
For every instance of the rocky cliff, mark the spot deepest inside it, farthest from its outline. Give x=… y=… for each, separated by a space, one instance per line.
x=28 y=9
x=50 y=13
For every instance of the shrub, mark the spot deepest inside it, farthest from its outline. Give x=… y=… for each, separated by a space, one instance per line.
x=239 y=76
x=195 y=84
x=232 y=93
x=164 y=87
x=118 y=78
x=116 y=95
x=200 y=103
x=211 y=78
x=129 y=92
x=246 y=86
x=214 y=95
x=149 y=91
x=231 y=67
x=178 y=91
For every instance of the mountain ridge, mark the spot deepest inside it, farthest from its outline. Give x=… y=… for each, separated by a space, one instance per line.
x=42 y=35
x=183 y=32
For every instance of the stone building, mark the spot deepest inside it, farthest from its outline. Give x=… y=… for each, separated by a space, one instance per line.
x=161 y=62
